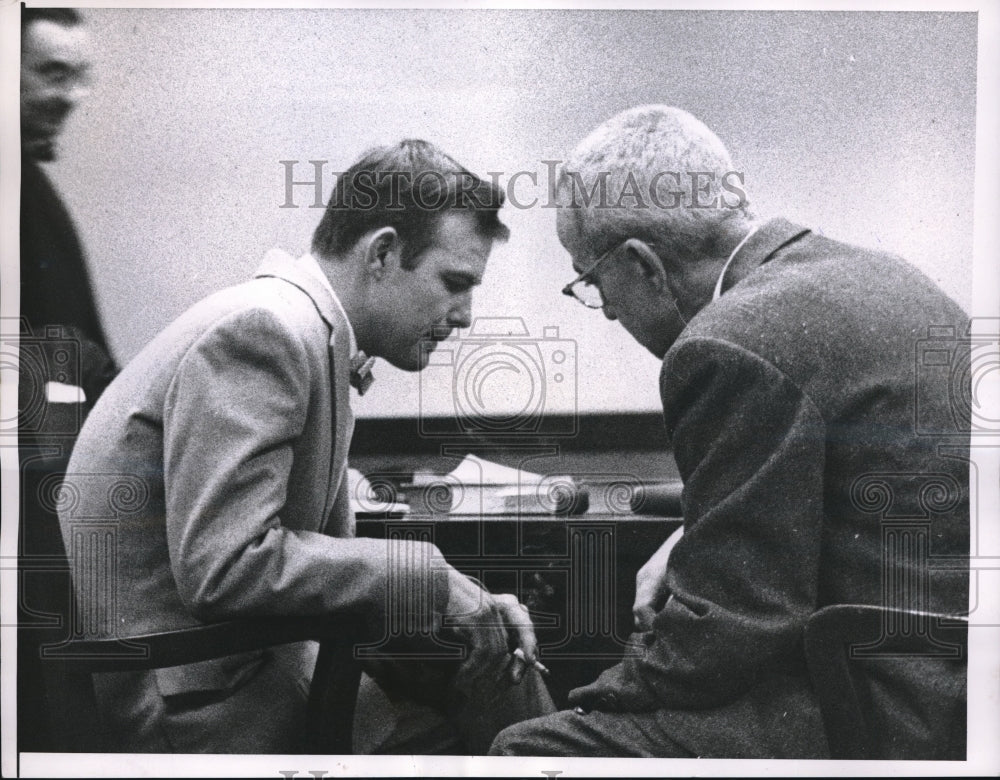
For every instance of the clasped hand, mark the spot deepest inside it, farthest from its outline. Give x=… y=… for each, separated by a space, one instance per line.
x=491 y=626
x=651 y=588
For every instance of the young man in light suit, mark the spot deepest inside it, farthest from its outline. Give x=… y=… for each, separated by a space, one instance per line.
x=231 y=429
x=789 y=389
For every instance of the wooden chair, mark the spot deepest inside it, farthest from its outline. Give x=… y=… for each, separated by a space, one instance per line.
x=68 y=669
x=839 y=634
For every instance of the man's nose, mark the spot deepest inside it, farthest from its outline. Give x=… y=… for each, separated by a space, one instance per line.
x=461 y=314
x=77 y=92
x=609 y=311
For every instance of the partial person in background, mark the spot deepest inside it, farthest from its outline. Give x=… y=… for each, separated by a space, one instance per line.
x=65 y=362
x=233 y=426
x=789 y=387
x=55 y=286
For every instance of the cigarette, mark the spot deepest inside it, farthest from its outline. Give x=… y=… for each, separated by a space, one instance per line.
x=519 y=654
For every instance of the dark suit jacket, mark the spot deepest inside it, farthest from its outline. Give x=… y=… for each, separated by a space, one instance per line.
x=56 y=292
x=793 y=405
x=61 y=340
x=216 y=461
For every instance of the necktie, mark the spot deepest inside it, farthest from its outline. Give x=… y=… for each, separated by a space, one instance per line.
x=361 y=372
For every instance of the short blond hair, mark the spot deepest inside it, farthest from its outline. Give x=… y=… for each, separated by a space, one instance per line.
x=647 y=150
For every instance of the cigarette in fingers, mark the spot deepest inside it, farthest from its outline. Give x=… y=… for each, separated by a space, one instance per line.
x=519 y=654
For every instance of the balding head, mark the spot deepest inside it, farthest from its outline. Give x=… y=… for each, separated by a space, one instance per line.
x=654 y=172
x=650 y=209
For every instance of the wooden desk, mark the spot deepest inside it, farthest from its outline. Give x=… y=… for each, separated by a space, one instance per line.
x=575 y=573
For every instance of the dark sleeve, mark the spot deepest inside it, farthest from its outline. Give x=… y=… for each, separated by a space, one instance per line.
x=55 y=285
x=750 y=447
x=57 y=301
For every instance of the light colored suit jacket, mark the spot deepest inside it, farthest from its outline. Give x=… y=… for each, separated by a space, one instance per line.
x=213 y=471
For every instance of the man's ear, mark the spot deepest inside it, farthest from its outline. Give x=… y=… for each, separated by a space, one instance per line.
x=649 y=263
x=382 y=250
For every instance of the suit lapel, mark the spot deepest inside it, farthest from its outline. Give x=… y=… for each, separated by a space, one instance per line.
x=283 y=266
x=343 y=417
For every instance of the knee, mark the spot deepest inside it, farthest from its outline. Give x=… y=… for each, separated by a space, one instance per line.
x=512 y=741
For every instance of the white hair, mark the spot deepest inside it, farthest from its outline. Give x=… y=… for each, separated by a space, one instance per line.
x=635 y=176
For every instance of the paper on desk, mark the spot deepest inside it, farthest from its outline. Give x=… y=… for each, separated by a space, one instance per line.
x=473 y=470
x=480 y=487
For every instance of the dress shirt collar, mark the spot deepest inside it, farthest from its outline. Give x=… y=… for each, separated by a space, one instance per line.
x=722 y=274
x=756 y=248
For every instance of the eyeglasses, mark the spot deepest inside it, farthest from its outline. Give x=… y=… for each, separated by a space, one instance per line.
x=583 y=289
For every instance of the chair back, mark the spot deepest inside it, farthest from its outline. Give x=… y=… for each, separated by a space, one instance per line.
x=841 y=637
x=74 y=716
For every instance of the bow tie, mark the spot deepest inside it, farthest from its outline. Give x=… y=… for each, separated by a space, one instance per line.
x=361 y=372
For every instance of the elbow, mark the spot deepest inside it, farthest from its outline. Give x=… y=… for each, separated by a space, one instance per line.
x=208 y=598
x=209 y=610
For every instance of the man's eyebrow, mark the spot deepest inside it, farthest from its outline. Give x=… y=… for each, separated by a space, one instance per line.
x=65 y=65
x=464 y=277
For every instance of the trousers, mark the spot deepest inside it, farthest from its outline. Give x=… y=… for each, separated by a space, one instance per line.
x=265 y=713
x=592 y=735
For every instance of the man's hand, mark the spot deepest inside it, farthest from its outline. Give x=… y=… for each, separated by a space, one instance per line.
x=651 y=584
x=516 y=617
x=491 y=626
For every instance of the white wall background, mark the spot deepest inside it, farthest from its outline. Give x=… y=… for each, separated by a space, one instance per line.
x=858 y=124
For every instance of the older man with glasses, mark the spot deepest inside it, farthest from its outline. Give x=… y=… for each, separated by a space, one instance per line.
x=788 y=384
